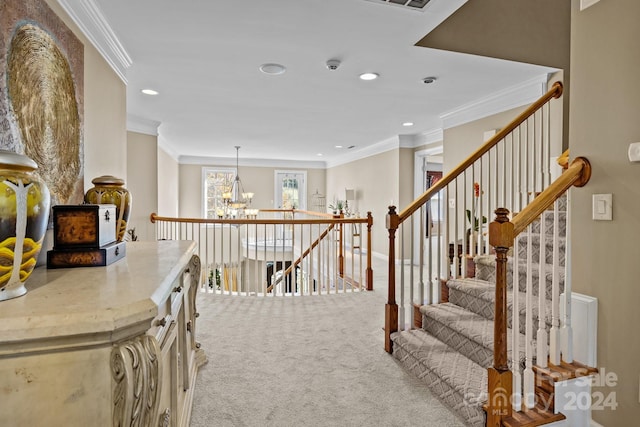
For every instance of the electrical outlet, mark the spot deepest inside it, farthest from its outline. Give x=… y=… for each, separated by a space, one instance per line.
x=452 y=203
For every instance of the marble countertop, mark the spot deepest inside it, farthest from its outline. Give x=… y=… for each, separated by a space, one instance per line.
x=95 y=300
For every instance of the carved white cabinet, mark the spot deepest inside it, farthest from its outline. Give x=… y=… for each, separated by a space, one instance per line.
x=104 y=346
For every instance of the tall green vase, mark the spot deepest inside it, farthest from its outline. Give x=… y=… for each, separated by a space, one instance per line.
x=110 y=190
x=24 y=213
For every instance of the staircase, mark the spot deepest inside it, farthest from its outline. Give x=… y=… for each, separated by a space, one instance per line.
x=487 y=336
x=454 y=348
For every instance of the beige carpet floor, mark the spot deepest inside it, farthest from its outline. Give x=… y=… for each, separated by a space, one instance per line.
x=305 y=361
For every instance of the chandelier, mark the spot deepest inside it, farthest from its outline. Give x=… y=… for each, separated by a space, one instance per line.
x=237 y=200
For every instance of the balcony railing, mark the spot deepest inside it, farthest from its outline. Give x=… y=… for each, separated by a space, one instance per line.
x=279 y=252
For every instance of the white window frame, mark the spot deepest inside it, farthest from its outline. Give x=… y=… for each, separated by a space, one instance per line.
x=206 y=170
x=277 y=196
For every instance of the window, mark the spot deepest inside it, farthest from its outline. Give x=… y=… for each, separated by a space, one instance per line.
x=290 y=190
x=216 y=181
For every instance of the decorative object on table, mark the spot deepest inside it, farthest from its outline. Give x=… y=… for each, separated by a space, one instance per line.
x=131 y=235
x=41 y=101
x=84 y=236
x=83 y=226
x=24 y=212
x=86 y=257
x=110 y=190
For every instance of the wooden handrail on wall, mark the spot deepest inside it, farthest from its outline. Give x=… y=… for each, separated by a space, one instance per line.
x=576 y=175
x=502 y=235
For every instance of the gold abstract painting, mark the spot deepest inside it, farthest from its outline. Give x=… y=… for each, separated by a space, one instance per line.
x=41 y=95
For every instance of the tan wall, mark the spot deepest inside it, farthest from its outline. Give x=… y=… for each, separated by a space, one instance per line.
x=259 y=180
x=461 y=141
x=168 y=183
x=604 y=120
x=105 y=134
x=376 y=181
x=142 y=181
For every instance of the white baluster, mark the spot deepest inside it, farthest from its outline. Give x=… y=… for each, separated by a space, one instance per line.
x=566 y=330
x=515 y=329
x=541 y=336
x=554 y=338
x=529 y=378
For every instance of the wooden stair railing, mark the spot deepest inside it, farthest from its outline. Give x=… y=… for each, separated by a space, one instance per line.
x=293 y=265
x=394 y=219
x=187 y=228
x=502 y=234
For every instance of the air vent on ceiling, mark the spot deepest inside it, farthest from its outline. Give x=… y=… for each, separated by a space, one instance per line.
x=411 y=4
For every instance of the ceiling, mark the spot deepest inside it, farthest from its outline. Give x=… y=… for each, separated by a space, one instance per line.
x=203 y=58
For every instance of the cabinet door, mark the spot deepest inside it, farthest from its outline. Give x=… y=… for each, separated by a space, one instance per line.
x=168 y=404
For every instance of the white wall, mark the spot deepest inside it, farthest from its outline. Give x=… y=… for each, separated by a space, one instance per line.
x=376 y=180
x=168 y=184
x=142 y=181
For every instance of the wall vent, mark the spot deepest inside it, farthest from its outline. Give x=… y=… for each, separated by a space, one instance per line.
x=409 y=4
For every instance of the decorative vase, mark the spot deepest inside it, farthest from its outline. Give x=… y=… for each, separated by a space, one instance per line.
x=110 y=190
x=24 y=213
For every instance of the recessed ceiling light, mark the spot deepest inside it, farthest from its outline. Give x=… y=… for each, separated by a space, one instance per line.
x=319 y=154
x=369 y=76
x=407 y=124
x=338 y=146
x=273 y=69
x=149 y=92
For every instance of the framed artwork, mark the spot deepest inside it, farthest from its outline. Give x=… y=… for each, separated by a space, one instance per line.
x=41 y=95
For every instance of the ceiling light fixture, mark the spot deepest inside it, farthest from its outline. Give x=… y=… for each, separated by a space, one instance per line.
x=273 y=69
x=149 y=92
x=428 y=80
x=407 y=124
x=338 y=146
x=237 y=198
x=369 y=76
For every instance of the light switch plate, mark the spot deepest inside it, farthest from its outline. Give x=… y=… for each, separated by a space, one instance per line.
x=602 y=208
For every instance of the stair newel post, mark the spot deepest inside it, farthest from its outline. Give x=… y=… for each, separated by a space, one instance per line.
x=341 y=247
x=369 y=250
x=391 y=308
x=500 y=378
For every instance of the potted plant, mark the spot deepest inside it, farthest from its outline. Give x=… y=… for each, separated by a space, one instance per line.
x=338 y=207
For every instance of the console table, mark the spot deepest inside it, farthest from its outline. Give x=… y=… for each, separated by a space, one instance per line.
x=104 y=346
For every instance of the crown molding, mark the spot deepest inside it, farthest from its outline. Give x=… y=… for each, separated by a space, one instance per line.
x=266 y=163
x=142 y=125
x=86 y=14
x=371 y=150
x=162 y=145
x=506 y=99
x=424 y=138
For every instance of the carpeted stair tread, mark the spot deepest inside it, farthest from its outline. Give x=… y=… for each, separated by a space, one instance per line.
x=466 y=332
x=455 y=379
x=478 y=296
x=486 y=268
